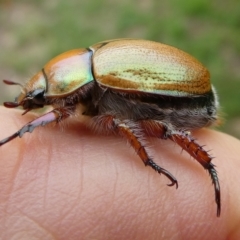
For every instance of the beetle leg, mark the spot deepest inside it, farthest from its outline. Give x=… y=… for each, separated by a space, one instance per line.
x=55 y=115
x=184 y=140
x=126 y=131
x=134 y=136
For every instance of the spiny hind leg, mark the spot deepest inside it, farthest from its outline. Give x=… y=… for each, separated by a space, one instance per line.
x=189 y=144
x=133 y=133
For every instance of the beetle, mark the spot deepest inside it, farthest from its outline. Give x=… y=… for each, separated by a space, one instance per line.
x=131 y=87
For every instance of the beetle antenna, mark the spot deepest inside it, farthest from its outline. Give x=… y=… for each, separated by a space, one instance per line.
x=11 y=104
x=9 y=82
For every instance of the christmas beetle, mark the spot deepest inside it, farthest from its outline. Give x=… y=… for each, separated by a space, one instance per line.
x=131 y=87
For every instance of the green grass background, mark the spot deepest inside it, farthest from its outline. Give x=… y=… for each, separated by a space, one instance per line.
x=33 y=31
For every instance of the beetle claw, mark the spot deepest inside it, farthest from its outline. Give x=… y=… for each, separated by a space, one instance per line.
x=160 y=170
x=175 y=182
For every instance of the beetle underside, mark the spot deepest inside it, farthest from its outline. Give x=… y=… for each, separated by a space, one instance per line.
x=133 y=116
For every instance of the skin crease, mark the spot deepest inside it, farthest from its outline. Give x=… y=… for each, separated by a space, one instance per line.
x=75 y=184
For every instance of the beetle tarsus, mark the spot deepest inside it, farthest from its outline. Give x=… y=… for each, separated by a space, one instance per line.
x=55 y=115
x=213 y=173
x=8 y=139
x=27 y=128
x=160 y=170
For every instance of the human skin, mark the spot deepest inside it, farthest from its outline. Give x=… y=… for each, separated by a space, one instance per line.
x=76 y=184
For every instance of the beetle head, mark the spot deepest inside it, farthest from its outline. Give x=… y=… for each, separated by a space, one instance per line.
x=31 y=96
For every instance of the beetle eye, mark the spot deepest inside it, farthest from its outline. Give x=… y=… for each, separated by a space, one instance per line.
x=34 y=99
x=38 y=96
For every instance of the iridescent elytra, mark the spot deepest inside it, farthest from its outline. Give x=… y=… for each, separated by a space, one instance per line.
x=131 y=87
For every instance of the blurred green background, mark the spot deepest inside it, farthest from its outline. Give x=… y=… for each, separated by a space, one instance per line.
x=32 y=32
